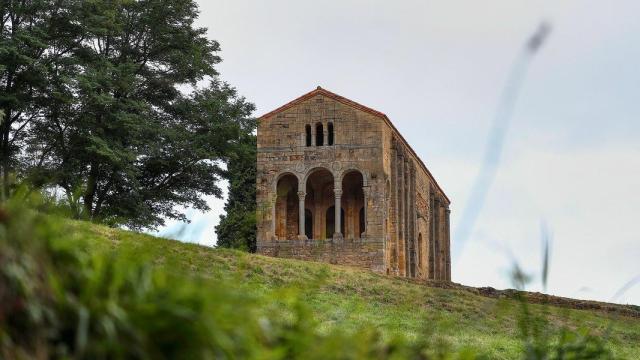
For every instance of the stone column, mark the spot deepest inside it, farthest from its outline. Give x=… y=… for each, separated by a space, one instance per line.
x=412 y=220
x=337 y=234
x=401 y=209
x=407 y=212
x=432 y=236
x=393 y=206
x=448 y=236
x=365 y=190
x=274 y=236
x=443 y=242
x=325 y=135
x=301 y=232
x=437 y=236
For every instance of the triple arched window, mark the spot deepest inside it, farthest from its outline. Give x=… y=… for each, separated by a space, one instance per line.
x=320 y=138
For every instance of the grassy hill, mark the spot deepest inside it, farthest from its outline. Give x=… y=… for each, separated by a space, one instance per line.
x=346 y=298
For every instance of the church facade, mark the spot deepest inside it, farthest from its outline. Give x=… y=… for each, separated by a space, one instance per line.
x=337 y=183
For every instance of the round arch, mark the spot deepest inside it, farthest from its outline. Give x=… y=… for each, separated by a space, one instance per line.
x=281 y=175
x=286 y=206
x=314 y=170
x=318 y=185
x=349 y=170
x=353 y=203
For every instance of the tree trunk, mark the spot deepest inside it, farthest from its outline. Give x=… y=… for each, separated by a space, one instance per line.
x=90 y=192
x=4 y=152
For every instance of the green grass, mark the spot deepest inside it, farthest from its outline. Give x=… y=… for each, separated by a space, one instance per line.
x=349 y=298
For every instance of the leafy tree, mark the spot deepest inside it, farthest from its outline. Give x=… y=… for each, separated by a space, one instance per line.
x=36 y=35
x=237 y=228
x=128 y=134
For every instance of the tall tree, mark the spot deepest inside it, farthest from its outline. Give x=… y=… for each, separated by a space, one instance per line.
x=35 y=36
x=237 y=227
x=128 y=133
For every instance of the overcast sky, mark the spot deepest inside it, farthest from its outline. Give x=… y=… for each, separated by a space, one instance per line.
x=571 y=159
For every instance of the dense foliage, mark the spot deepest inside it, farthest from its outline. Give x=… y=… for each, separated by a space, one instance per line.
x=237 y=227
x=116 y=105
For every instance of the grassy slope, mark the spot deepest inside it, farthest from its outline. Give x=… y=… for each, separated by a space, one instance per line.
x=349 y=298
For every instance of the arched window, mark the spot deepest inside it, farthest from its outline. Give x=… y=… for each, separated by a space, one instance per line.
x=330 y=137
x=319 y=135
x=307 y=130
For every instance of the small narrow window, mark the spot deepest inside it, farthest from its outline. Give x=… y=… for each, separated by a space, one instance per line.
x=307 y=130
x=319 y=135
x=330 y=130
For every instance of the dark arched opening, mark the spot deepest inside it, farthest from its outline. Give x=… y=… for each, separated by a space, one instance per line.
x=308 y=223
x=307 y=130
x=319 y=135
x=353 y=203
x=319 y=189
x=286 y=222
x=330 y=135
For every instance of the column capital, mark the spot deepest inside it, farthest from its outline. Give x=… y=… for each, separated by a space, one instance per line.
x=337 y=192
x=366 y=190
x=301 y=195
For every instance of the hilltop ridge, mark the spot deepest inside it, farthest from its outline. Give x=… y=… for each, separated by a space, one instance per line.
x=339 y=296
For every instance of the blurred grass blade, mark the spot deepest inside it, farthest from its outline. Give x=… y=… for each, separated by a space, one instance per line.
x=546 y=239
x=496 y=139
x=631 y=283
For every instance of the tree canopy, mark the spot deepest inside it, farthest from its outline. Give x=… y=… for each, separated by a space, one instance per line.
x=237 y=227
x=117 y=106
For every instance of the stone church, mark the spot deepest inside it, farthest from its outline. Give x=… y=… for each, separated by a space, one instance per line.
x=336 y=182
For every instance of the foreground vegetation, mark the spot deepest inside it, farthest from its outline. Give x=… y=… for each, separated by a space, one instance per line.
x=86 y=291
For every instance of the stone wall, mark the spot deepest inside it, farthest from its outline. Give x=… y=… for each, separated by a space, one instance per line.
x=364 y=253
x=418 y=209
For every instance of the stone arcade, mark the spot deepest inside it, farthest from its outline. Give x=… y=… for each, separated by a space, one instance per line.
x=338 y=183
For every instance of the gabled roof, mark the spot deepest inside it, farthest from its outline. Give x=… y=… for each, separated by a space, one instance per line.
x=353 y=104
